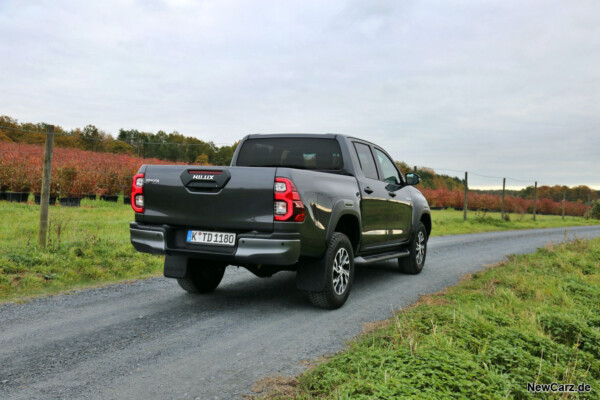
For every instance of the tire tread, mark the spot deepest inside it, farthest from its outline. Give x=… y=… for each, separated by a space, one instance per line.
x=188 y=285
x=204 y=279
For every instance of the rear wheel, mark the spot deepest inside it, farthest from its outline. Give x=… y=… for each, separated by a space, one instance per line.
x=339 y=266
x=202 y=277
x=413 y=264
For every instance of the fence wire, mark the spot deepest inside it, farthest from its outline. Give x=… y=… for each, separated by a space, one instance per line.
x=18 y=164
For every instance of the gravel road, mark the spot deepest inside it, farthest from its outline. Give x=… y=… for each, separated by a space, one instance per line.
x=151 y=340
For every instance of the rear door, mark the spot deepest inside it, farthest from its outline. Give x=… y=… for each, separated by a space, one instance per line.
x=374 y=205
x=216 y=198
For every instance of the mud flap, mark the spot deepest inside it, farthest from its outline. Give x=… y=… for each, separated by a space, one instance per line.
x=311 y=275
x=176 y=266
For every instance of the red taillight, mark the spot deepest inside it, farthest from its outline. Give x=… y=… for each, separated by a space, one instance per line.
x=287 y=206
x=137 y=193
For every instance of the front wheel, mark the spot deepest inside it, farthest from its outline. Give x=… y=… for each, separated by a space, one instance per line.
x=339 y=267
x=413 y=263
x=202 y=277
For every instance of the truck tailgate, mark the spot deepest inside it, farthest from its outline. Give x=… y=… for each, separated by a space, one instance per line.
x=219 y=198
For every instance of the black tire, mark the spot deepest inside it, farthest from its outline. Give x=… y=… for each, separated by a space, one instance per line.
x=202 y=277
x=339 y=266
x=413 y=264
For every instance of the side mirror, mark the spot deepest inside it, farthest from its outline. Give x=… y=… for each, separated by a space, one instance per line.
x=412 y=179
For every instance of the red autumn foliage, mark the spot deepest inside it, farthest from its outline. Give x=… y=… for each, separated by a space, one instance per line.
x=75 y=173
x=446 y=198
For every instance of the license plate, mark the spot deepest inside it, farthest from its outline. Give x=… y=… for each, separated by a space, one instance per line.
x=212 y=238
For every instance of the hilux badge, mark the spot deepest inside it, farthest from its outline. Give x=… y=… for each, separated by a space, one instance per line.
x=203 y=177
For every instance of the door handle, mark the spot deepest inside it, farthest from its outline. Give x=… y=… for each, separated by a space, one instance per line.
x=392 y=194
x=368 y=190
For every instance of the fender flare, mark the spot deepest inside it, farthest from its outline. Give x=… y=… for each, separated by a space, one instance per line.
x=311 y=275
x=340 y=209
x=418 y=213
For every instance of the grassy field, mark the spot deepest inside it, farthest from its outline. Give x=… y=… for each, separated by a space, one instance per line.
x=89 y=245
x=450 y=222
x=536 y=318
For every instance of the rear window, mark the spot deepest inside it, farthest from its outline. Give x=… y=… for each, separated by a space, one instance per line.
x=305 y=153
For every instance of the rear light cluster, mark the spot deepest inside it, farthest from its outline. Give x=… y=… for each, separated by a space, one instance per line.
x=287 y=206
x=137 y=193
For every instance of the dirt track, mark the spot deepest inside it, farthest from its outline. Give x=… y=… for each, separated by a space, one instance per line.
x=151 y=340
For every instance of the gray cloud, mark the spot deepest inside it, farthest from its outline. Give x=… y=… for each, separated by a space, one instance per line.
x=502 y=88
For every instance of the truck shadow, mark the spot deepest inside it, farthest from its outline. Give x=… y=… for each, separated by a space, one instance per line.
x=242 y=289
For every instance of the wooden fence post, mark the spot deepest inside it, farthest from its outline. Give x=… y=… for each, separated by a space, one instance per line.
x=466 y=191
x=563 y=203
x=46 y=177
x=503 y=190
x=534 y=199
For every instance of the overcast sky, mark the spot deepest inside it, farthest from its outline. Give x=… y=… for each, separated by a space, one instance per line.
x=502 y=88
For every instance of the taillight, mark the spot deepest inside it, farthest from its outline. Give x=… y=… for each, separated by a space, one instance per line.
x=137 y=193
x=287 y=206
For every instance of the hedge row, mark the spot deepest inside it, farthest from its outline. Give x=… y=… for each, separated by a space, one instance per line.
x=445 y=198
x=75 y=173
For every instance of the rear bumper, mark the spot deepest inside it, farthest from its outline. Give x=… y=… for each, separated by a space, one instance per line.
x=271 y=249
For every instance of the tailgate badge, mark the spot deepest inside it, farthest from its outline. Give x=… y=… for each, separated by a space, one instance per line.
x=203 y=177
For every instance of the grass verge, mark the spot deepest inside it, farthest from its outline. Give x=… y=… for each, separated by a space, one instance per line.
x=535 y=318
x=89 y=245
x=450 y=222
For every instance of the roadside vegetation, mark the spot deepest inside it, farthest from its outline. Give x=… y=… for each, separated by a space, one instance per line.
x=173 y=146
x=89 y=245
x=451 y=222
x=535 y=318
x=20 y=168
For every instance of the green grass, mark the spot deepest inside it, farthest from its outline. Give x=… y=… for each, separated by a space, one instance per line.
x=536 y=318
x=89 y=245
x=450 y=222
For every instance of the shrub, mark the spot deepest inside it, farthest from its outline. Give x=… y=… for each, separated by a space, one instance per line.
x=595 y=210
x=74 y=172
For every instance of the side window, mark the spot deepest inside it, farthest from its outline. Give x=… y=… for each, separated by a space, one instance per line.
x=367 y=163
x=390 y=173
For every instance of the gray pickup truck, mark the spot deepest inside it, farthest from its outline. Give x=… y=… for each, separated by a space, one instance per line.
x=314 y=204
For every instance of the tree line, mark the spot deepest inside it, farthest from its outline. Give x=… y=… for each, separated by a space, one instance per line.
x=165 y=146
x=432 y=180
x=179 y=148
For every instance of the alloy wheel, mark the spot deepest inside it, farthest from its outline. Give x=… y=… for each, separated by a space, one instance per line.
x=341 y=271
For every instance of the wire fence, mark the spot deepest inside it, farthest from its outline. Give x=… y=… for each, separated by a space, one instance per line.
x=78 y=173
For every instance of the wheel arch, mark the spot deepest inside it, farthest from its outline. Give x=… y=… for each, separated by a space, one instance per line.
x=426 y=220
x=345 y=218
x=349 y=225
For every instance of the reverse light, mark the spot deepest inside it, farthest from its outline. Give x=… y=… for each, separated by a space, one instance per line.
x=137 y=193
x=288 y=206
x=280 y=208
x=139 y=200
